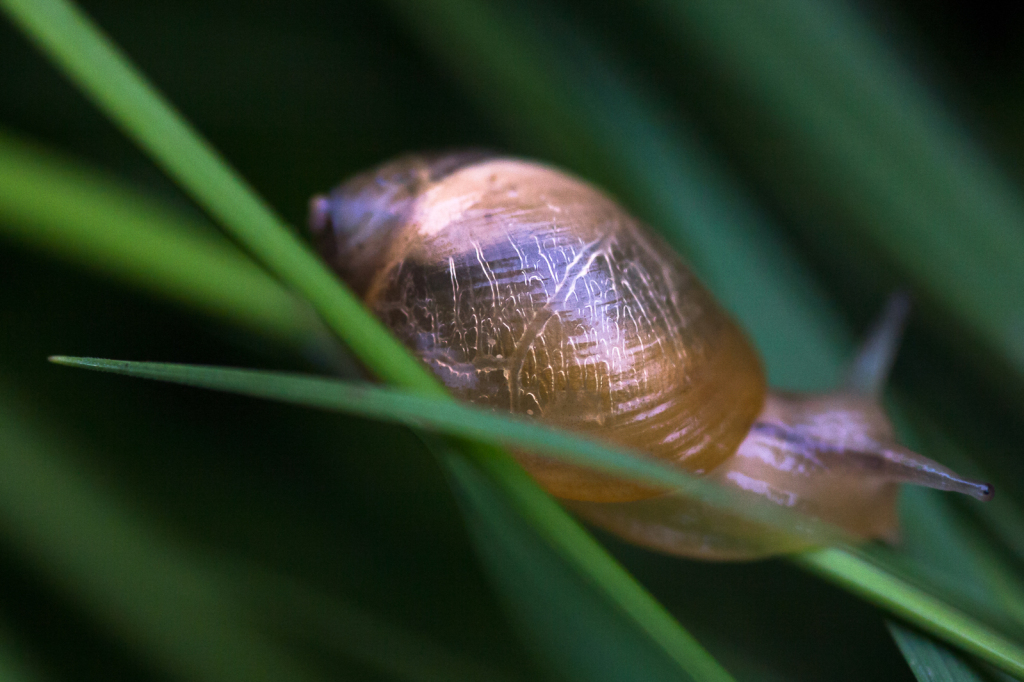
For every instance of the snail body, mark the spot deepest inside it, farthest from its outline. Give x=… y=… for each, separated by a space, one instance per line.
x=528 y=291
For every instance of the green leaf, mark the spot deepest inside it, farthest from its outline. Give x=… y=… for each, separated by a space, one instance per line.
x=71 y=211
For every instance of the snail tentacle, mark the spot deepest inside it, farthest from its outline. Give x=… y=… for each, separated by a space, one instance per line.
x=870 y=369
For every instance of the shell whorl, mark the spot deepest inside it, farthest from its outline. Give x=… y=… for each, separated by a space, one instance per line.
x=526 y=290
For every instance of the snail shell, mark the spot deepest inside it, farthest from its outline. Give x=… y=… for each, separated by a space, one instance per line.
x=526 y=290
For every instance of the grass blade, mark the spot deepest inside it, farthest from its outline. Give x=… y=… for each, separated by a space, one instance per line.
x=944 y=541
x=141 y=585
x=588 y=558
x=539 y=76
x=96 y=65
x=929 y=661
x=73 y=212
x=141 y=112
x=916 y=606
x=296 y=610
x=86 y=55
x=547 y=597
x=884 y=158
x=464 y=421
x=846 y=568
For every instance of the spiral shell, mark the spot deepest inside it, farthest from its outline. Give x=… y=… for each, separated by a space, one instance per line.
x=527 y=290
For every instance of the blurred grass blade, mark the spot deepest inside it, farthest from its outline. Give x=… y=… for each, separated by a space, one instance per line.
x=956 y=553
x=96 y=65
x=914 y=605
x=929 y=661
x=106 y=76
x=1002 y=515
x=12 y=666
x=297 y=611
x=143 y=587
x=590 y=559
x=547 y=598
x=465 y=421
x=942 y=543
x=564 y=99
x=74 y=212
x=856 y=128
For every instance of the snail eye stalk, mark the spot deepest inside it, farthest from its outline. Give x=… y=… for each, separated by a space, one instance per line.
x=870 y=369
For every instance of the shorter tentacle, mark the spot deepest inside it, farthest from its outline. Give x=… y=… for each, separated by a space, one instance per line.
x=869 y=371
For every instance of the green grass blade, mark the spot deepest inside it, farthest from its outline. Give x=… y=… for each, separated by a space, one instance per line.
x=881 y=587
x=536 y=73
x=931 y=662
x=548 y=597
x=468 y=422
x=1002 y=515
x=90 y=59
x=573 y=544
x=296 y=610
x=142 y=586
x=877 y=584
x=884 y=158
x=942 y=540
x=293 y=263
x=73 y=212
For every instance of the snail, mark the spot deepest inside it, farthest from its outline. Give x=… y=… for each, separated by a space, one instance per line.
x=526 y=290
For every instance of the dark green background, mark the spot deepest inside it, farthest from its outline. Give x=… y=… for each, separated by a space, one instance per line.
x=297 y=95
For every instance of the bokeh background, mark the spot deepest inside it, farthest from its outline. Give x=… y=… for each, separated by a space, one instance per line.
x=229 y=526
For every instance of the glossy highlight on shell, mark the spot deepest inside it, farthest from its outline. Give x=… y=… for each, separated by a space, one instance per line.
x=526 y=290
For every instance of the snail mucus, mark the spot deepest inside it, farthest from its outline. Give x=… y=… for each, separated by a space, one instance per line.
x=526 y=290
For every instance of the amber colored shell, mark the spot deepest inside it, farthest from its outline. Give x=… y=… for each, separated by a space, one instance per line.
x=528 y=291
